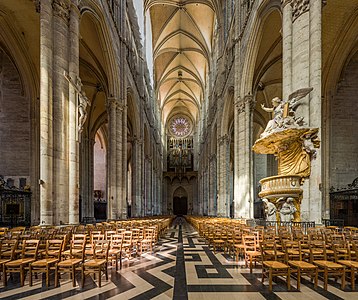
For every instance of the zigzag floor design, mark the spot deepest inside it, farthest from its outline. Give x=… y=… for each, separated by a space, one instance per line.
x=181 y=267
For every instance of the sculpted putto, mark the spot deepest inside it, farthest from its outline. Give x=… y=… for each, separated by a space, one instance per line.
x=284 y=112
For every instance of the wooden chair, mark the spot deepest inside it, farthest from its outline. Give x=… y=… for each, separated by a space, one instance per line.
x=349 y=260
x=238 y=244
x=99 y=262
x=318 y=257
x=28 y=255
x=7 y=252
x=293 y=253
x=71 y=264
x=115 y=251
x=146 y=243
x=127 y=243
x=251 y=250
x=52 y=256
x=270 y=266
x=76 y=249
x=219 y=239
x=136 y=240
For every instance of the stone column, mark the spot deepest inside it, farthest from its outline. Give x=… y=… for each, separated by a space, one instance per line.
x=112 y=209
x=137 y=178
x=243 y=177
x=222 y=176
x=87 y=159
x=315 y=105
x=124 y=163
x=305 y=66
x=46 y=136
x=286 y=48
x=147 y=193
x=212 y=185
x=120 y=164
x=73 y=146
x=61 y=14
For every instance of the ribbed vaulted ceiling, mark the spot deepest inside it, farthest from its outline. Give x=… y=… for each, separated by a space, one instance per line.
x=182 y=33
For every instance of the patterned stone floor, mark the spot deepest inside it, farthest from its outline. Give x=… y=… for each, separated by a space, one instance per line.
x=182 y=267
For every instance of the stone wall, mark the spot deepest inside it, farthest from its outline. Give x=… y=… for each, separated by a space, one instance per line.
x=344 y=116
x=14 y=121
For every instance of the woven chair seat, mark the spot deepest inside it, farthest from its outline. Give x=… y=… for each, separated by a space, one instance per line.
x=275 y=264
x=44 y=262
x=69 y=262
x=327 y=264
x=301 y=264
x=18 y=262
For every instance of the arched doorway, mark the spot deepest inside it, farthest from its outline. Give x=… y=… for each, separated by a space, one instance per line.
x=180 y=202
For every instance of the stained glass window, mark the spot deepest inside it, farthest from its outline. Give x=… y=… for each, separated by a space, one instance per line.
x=180 y=126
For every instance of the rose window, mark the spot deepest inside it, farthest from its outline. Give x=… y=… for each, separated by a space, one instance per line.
x=180 y=126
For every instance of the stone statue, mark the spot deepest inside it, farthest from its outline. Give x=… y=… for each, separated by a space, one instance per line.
x=83 y=102
x=287 y=210
x=277 y=120
x=284 y=112
x=270 y=210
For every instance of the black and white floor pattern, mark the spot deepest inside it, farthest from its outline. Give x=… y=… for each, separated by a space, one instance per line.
x=181 y=267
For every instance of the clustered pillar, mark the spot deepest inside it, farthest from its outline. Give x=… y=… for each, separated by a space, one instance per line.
x=59 y=48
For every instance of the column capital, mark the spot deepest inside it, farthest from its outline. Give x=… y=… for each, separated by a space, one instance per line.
x=250 y=102
x=285 y=2
x=240 y=105
x=223 y=139
x=299 y=7
x=120 y=105
x=112 y=103
x=61 y=8
x=75 y=9
x=37 y=5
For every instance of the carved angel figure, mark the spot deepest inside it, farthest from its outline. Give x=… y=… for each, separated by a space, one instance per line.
x=83 y=102
x=284 y=112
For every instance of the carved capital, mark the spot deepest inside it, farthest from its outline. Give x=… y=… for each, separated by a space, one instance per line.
x=61 y=8
x=37 y=5
x=240 y=105
x=299 y=7
x=111 y=103
x=250 y=102
x=223 y=139
x=285 y=2
x=120 y=106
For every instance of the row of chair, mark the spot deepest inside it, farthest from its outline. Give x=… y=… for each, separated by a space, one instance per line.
x=66 y=251
x=282 y=251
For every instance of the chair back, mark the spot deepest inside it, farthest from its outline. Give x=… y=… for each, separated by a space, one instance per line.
x=101 y=249
x=54 y=248
x=8 y=248
x=30 y=248
x=317 y=249
x=293 y=250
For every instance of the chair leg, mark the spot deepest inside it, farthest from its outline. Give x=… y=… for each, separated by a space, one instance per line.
x=73 y=276
x=56 y=276
x=83 y=275
x=325 y=279
x=353 y=279
x=250 y=264
x=47 y=276
x=288 y=279
x=298 y=278
x=22 y=275
x=30 y=274
x=316 y=278
x=99 y=276
x=270 y=280
x=343 y=285
x=106 y=269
